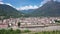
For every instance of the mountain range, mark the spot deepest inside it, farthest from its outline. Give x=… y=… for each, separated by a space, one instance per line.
x=50 y=9
x=8 y=11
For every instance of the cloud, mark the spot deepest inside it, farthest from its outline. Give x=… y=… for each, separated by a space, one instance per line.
x=1 y=0
x=43 y=2
x=33 y=7
x=30 y=6
x=6 y=3
x=1 y=3
x=10 y=5
x=27 y=7
x=58 y=0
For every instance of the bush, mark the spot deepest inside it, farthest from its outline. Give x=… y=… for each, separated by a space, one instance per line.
x=48 y=32
x=18 y=31
x=9 y=31
x=26 y=31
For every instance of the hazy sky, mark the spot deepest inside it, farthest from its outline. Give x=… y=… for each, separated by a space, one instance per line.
x=24 y=4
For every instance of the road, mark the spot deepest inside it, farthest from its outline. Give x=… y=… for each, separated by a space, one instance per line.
x=50 y=28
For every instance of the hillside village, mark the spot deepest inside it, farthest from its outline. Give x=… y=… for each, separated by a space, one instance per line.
x=28 y=22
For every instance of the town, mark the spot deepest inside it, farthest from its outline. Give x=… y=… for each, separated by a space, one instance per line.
x=28 y=22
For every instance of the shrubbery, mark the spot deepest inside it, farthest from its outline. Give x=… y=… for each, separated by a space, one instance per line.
x=10 y=31
x=48 y=32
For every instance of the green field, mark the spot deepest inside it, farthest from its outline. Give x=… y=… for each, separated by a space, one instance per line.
x=48 y=32
x=11 y=31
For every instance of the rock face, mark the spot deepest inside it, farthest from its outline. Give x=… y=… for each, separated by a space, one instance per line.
x=7 y=11
x=51 y=8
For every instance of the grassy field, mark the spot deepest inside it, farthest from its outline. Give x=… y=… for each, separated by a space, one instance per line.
x=11 y=31
x=43 y=32
x=48 y=32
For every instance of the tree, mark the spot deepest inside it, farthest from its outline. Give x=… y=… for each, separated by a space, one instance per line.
x=57 y=21
x=19 y=24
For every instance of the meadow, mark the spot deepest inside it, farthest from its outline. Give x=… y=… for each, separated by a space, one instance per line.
x=11 y=31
